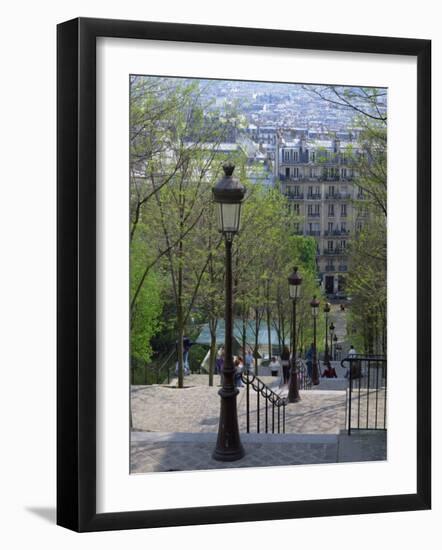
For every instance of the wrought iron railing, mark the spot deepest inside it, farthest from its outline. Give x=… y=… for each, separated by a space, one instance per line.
x=163 y=371
x=337 y=232
x=366 y=407
x=271 y=414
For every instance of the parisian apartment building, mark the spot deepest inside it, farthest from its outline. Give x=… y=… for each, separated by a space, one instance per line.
x=318 y=178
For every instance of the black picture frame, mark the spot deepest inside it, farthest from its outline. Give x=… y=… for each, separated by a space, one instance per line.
x=76 y=273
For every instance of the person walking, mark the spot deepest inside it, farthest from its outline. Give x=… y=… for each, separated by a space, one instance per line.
x=274 y=367
x=355 y=366
x=219 y=361
x=239 y=367
x=285 y=362
x=309 y=360
x=249 y=361
x=187 y=344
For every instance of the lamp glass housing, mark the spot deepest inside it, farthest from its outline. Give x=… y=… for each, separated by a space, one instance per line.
x=295 y=291
x=229 y=217
x=314 y=304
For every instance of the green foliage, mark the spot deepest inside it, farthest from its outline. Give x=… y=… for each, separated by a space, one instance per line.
x=146 y=316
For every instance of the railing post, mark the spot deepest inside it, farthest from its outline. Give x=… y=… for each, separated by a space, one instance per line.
x=349 y=399
x=248 y=404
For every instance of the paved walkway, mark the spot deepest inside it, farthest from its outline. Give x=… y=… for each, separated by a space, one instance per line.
x=195 y=408
x=163 y=452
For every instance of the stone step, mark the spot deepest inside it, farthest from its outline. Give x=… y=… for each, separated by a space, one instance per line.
x=173 y=452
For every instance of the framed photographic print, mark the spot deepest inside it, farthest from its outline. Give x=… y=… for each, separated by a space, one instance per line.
x=243 y=274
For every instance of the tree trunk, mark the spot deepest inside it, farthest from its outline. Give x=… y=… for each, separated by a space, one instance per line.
x=180 y=327
x=212 y=355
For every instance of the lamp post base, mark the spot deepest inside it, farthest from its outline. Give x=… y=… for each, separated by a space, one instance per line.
x=293 y=395
x=315 y=375
x=228 y=445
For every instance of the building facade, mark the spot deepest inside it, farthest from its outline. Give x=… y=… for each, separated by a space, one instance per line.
x=318 y=177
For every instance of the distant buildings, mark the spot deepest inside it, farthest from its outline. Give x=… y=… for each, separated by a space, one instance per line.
x=317 y=176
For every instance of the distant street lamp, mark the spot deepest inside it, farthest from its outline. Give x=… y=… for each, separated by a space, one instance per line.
x=295 y=292
x=314 y=304
x=228 y=194
x=331 y=330
x=326 y=312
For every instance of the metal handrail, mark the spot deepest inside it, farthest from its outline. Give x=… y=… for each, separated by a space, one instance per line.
x=304 y=380
x=360 y=367
x=271 y=399
x=166 y=362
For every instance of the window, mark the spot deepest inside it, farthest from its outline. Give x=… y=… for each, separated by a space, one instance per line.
x=330 y=227
x=317 y=209
x=313 y=156
x=296 y=209
x=343 y=173
x=343 y=210
x=295 y=156
x=331 y=190
x=329 y=245
x=331 y=209
x=296 y=227
x=317 y=191
x=310 y=209
x=287 y=172
x=296 y=172
x=343 y=244
x=310 y=190
x=296 y=190
x=344 y=227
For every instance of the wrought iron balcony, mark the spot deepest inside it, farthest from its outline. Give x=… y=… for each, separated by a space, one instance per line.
x=295 y=197
x=338 y=251
x=313 y=214
x=336 y=232
x=314 y=196
x=337 y=196
x=313 y=233
x=330 y=268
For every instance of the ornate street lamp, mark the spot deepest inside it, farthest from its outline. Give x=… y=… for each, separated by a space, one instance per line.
x=314 y=304
x=326 y=312
x=295 y=292
x=228 y=194
x=331 y=330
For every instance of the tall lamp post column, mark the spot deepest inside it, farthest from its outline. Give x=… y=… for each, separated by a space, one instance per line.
x=228 y=193
x=295 y=292
x=314 y=304
x=331 y=330
x=326 y=312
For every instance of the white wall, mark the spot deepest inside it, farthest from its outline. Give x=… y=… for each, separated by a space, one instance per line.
x=27 y=289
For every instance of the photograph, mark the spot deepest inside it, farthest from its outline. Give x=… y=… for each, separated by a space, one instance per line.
x=258 y=273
